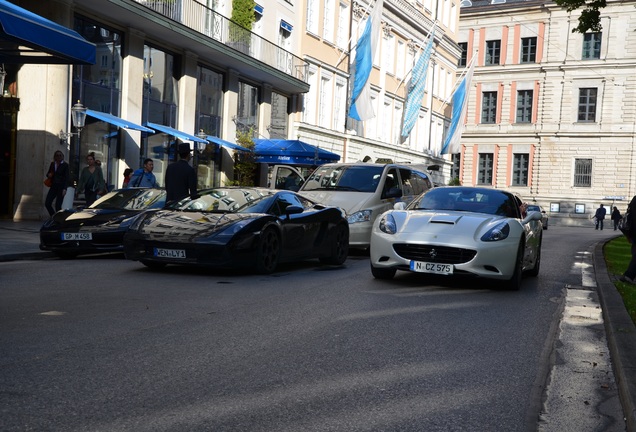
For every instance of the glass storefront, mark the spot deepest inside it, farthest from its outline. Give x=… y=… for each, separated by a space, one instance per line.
x=98 y=87
x=159 y=106
x=209 y=115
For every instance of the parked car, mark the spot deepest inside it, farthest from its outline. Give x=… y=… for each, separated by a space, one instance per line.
x=239 y=227
x=544 y=215
x=100 y=227
x=364 y=191
x=458 y=231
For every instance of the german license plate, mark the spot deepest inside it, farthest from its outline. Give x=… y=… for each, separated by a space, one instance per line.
x=169 y=253
x=77 y=236
x=426 y=267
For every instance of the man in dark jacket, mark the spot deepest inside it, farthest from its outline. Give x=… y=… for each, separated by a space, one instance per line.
x=59 y=174
x=600 y=216
x=630 y=274
x=181 y=179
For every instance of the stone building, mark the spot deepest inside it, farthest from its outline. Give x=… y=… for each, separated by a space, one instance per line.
x=551 y=113
x=165 y=70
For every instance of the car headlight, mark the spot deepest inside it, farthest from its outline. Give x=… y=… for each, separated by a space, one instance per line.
x=499 y=232
x=361 y=216
x=387 y=224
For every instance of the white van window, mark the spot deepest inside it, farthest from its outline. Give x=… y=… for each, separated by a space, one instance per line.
x=344 y=178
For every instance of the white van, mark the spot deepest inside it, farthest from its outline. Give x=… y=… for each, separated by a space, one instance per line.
x=364 y=191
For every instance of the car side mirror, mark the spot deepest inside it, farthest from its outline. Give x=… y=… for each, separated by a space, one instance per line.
x=293 y=209
x=399 y=205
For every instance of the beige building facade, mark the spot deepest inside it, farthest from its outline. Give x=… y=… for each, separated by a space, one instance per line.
x=551 y=113
x=331 y=29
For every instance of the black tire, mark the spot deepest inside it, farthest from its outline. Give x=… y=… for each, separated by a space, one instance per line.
x=382 y=273
x=268 y=251
x=339 y=246
x=154 y=265
x=514 y=283
x=534 y=271
x=545 y=227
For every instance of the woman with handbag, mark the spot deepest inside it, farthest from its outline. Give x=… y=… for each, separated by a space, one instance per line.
x=91 y=180
x=57 y=179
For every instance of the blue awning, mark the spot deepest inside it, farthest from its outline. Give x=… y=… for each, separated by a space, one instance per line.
x=48 y=41
x=258 y=9
x=227 y=144
x=175 y=133
x=291 y=152
x=119 y=122
x=286 y=26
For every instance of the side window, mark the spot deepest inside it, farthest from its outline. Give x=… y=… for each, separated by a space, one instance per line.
x=391 y=180
x=408 y=186
x=420 y=182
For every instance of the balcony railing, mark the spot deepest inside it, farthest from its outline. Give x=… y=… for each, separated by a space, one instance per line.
x=204 y=20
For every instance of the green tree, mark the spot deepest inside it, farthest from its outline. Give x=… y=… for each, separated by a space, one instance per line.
x=241 y=24
x=590 y=19
x=244 y=163
x=243 y=13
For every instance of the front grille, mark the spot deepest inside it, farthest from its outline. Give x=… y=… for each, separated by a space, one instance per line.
x=432 y=253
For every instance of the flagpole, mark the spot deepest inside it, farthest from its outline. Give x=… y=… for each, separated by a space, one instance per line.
x=351 y=33
x=459 y=80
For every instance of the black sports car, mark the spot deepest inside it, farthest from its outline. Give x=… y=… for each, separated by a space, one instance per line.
x=239 y=227
x=100 y=227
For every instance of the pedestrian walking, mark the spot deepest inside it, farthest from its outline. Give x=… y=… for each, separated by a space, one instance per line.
x=91 y=180
x=144 y=177
x=127 y=174
x=181 y=179
x=600 y=216
x=58 y=174
x=616 y=216
x=630 y=274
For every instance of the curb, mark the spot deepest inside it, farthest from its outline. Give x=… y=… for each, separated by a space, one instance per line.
x=26 y=256
x=621 y=337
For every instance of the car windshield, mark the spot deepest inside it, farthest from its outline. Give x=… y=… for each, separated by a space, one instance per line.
x=467 y=199
x=354 y=178
x=131 y=199
x=228 y=200
x=533 y=208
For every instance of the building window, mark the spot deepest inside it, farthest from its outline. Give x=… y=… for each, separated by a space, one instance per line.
x=493 y=48
x=583 y=172
x=484 y=175
x=456 y=159
x=247 y=109
x=591 y=46
x=587 y=105
x=489 y=107
x=328 y=20
x=463 y=58
x=209 y=101
x=520 y=169
x=278 y=119
x=528 y=50
x=311 y=22
x=524 y=106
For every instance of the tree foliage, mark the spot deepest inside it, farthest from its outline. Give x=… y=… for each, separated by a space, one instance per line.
x=245 y=165
x=590 y=19
x=243 y=13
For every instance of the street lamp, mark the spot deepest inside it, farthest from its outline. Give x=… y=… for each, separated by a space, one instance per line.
x=78 y=117
x=203 y=136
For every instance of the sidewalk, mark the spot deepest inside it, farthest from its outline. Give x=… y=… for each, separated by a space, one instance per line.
x=20 y=240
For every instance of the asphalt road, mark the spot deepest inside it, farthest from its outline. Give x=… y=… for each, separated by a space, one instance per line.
x=102 y=344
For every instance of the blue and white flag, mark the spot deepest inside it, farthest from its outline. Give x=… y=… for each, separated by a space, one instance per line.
x=460 y=103
x=361 y=107
x=416 y=88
